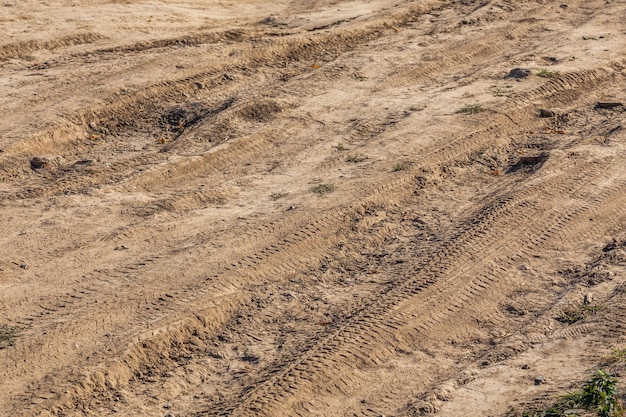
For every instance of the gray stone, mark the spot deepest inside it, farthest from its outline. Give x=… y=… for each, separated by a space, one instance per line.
x=519 y=73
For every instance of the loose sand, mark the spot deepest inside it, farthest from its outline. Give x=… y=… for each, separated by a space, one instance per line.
x=308 y=208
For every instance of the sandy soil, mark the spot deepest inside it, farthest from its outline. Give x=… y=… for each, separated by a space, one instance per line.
x=279 y=209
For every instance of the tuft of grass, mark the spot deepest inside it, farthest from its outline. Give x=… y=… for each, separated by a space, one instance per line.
x=506 y=91
x=359 y=77
x=276 y=196
x=356 y=158
x=398 y=167
x=576 y=313
x=8 y=334
x=619 y=355
x=323 y=189
x=341 y=147
x=471 y=108
x=547 y=73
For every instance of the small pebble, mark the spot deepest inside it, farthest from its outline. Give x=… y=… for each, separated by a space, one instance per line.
x=540 y=380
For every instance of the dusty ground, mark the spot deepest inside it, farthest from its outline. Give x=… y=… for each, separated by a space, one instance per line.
x=275 y=208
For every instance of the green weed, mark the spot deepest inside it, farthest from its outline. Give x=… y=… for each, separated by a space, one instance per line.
x=547 y=73
x=471 y=108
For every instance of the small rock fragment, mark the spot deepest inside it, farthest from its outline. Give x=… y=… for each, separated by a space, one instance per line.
x=519 y=73
x=546 y=113
x=170 y=415
x=37 y=163
x=610 y=246
x=525 y=366
x=588 y=298
x=540 y=380
x=607 y=105
x=200 y=85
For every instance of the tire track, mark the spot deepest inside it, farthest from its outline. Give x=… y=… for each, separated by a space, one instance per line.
x=23 y=48
x=274 y=392
x=383 y=189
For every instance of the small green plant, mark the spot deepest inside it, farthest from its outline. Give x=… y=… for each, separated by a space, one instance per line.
x=8 y=334
x=576 y=313
x=471 y=108
x=356 y=158
x=341 y=147
x=619 y=355
x=398 y=167
x=276 y=196
x=547 y=73
x=359 y=77
x=323 y=189
x=599 y=395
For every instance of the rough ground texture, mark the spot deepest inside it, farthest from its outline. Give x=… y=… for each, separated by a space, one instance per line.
x=320 y=208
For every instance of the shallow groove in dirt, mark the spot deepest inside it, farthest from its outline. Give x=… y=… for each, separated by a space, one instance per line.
x=287 y=221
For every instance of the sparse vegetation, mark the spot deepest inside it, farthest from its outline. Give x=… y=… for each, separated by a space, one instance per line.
x=575 y=313
x=276 y=196
x=598 y=395
x=619 y=355
x=359 y=77
x=341 y=147
x=398 y=167
x=471 y=108
x=506 y=91
x=356 y=158
x=8 y=334
x=323 y=189
x=547 y=73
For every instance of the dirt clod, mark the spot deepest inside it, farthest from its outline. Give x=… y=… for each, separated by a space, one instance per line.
x=519 y=73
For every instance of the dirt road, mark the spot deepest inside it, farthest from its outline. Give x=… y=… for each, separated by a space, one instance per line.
x=311 y=208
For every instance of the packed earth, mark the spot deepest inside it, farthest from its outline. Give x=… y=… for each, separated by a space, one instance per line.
x=310 y=208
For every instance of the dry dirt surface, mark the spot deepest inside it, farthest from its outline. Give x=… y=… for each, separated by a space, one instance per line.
x=309 y=208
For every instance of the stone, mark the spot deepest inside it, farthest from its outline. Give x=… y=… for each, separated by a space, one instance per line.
x=519 y=73
x=38 y=163
x=540 y=380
